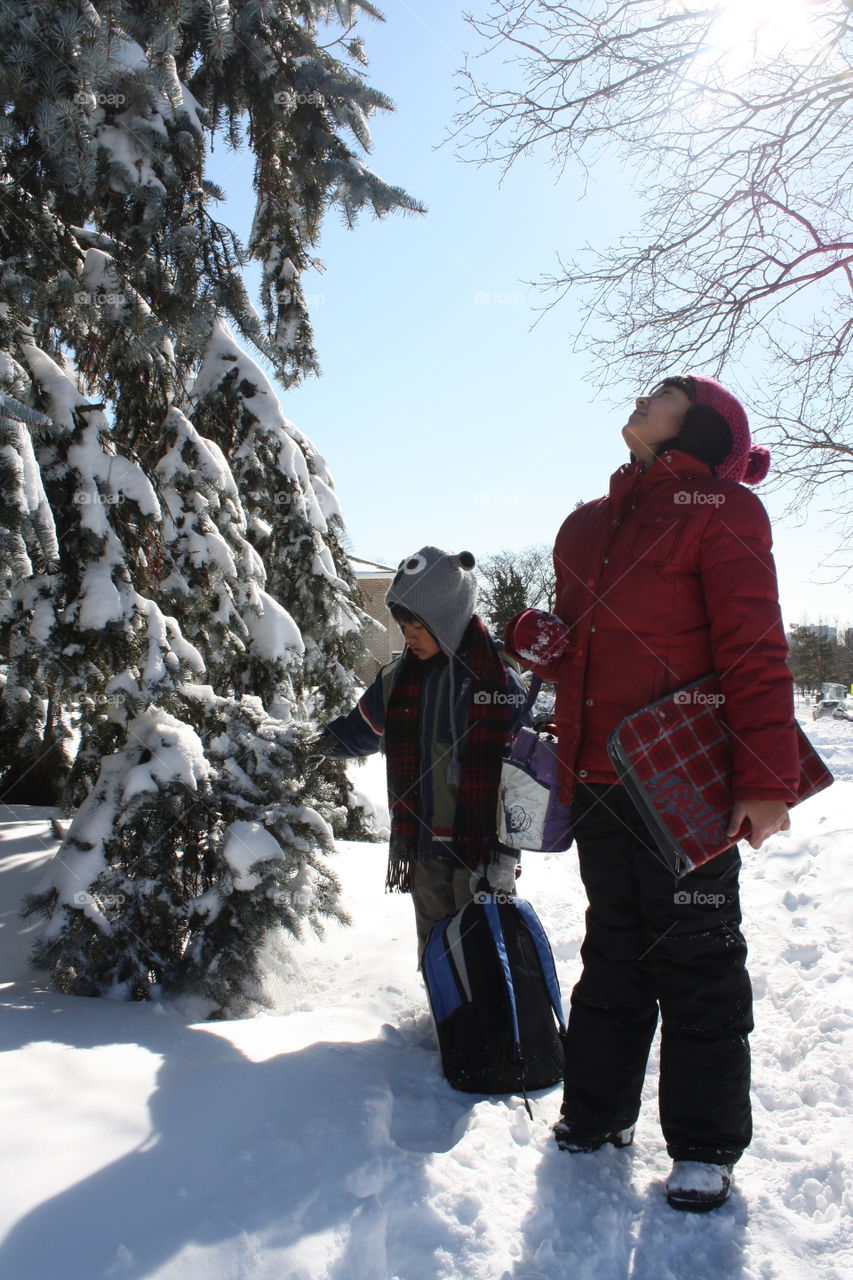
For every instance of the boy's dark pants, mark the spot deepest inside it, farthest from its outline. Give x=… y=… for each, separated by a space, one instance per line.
x=656 y=942
x=440 y=886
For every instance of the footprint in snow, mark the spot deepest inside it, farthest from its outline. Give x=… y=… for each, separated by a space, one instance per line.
x=427 y=1114
x=805 y=954
x=420 y=1122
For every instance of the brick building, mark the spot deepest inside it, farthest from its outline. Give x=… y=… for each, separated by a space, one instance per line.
x=383 y=640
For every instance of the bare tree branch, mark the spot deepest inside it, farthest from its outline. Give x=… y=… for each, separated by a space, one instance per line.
x=741 y=144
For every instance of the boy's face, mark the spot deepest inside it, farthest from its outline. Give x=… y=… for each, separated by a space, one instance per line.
x=422 y=642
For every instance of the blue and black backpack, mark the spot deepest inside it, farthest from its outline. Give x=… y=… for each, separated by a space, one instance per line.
x=495 y=998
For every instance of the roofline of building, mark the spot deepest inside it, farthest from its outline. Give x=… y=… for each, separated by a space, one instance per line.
x=374 y=568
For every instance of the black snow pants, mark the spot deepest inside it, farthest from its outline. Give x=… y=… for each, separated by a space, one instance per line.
x=656 y=943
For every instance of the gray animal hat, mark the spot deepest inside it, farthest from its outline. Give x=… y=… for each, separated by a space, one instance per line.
x=440 y=589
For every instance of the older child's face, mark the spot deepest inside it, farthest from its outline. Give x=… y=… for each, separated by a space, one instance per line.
x=422 y=642
x=657 y=417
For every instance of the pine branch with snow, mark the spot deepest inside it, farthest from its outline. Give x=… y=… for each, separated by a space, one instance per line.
x=193 y=846
x=294 y=522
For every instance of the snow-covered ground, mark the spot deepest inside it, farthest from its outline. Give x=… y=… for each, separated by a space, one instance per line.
x=321 y=1140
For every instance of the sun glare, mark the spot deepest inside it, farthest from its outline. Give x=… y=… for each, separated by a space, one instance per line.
x=745 y=29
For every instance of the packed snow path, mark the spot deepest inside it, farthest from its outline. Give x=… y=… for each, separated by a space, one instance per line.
x=322 y=1141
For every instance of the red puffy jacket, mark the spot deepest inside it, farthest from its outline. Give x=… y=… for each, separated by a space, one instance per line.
x=667 y=578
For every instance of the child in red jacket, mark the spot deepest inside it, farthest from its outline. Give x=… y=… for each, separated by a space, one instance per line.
x=667 y=578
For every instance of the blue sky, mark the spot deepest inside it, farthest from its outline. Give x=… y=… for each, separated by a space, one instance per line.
x=444 y=415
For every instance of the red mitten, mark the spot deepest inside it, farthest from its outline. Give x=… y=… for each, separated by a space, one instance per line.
x=536 y=636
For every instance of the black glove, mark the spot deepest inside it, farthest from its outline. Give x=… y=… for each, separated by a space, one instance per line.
x=325 y=746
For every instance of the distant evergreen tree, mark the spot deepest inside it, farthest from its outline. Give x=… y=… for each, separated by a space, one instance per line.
x=814 y=658
x=174 y=598
x=507 y=595
x=511 y=581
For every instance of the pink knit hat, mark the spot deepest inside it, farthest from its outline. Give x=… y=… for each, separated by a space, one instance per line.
x=748 y=463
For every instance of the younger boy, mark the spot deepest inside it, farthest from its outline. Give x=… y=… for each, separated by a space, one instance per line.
x=443 y=712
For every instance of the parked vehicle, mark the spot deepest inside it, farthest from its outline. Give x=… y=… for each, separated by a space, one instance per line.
x=832 y=707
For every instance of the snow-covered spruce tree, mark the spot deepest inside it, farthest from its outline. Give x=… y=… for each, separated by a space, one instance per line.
x=198 y=785
x=300 y=111
x=188 y=861
x=296 y=525
x=216 y=580
x=73 y=626
x=142 y=641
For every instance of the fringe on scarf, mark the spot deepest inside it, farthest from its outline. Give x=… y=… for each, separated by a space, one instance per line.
x=401 y=869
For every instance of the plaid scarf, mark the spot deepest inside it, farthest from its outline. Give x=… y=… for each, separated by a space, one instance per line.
x=485 y=739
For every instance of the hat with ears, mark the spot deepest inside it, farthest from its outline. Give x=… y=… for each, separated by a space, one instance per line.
x=440 y=588
x=746 y=462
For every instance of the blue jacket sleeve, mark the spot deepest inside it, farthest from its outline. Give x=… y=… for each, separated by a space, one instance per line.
x=359 y=733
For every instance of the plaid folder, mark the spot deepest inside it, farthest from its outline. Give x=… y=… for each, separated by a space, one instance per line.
x=674 y=759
